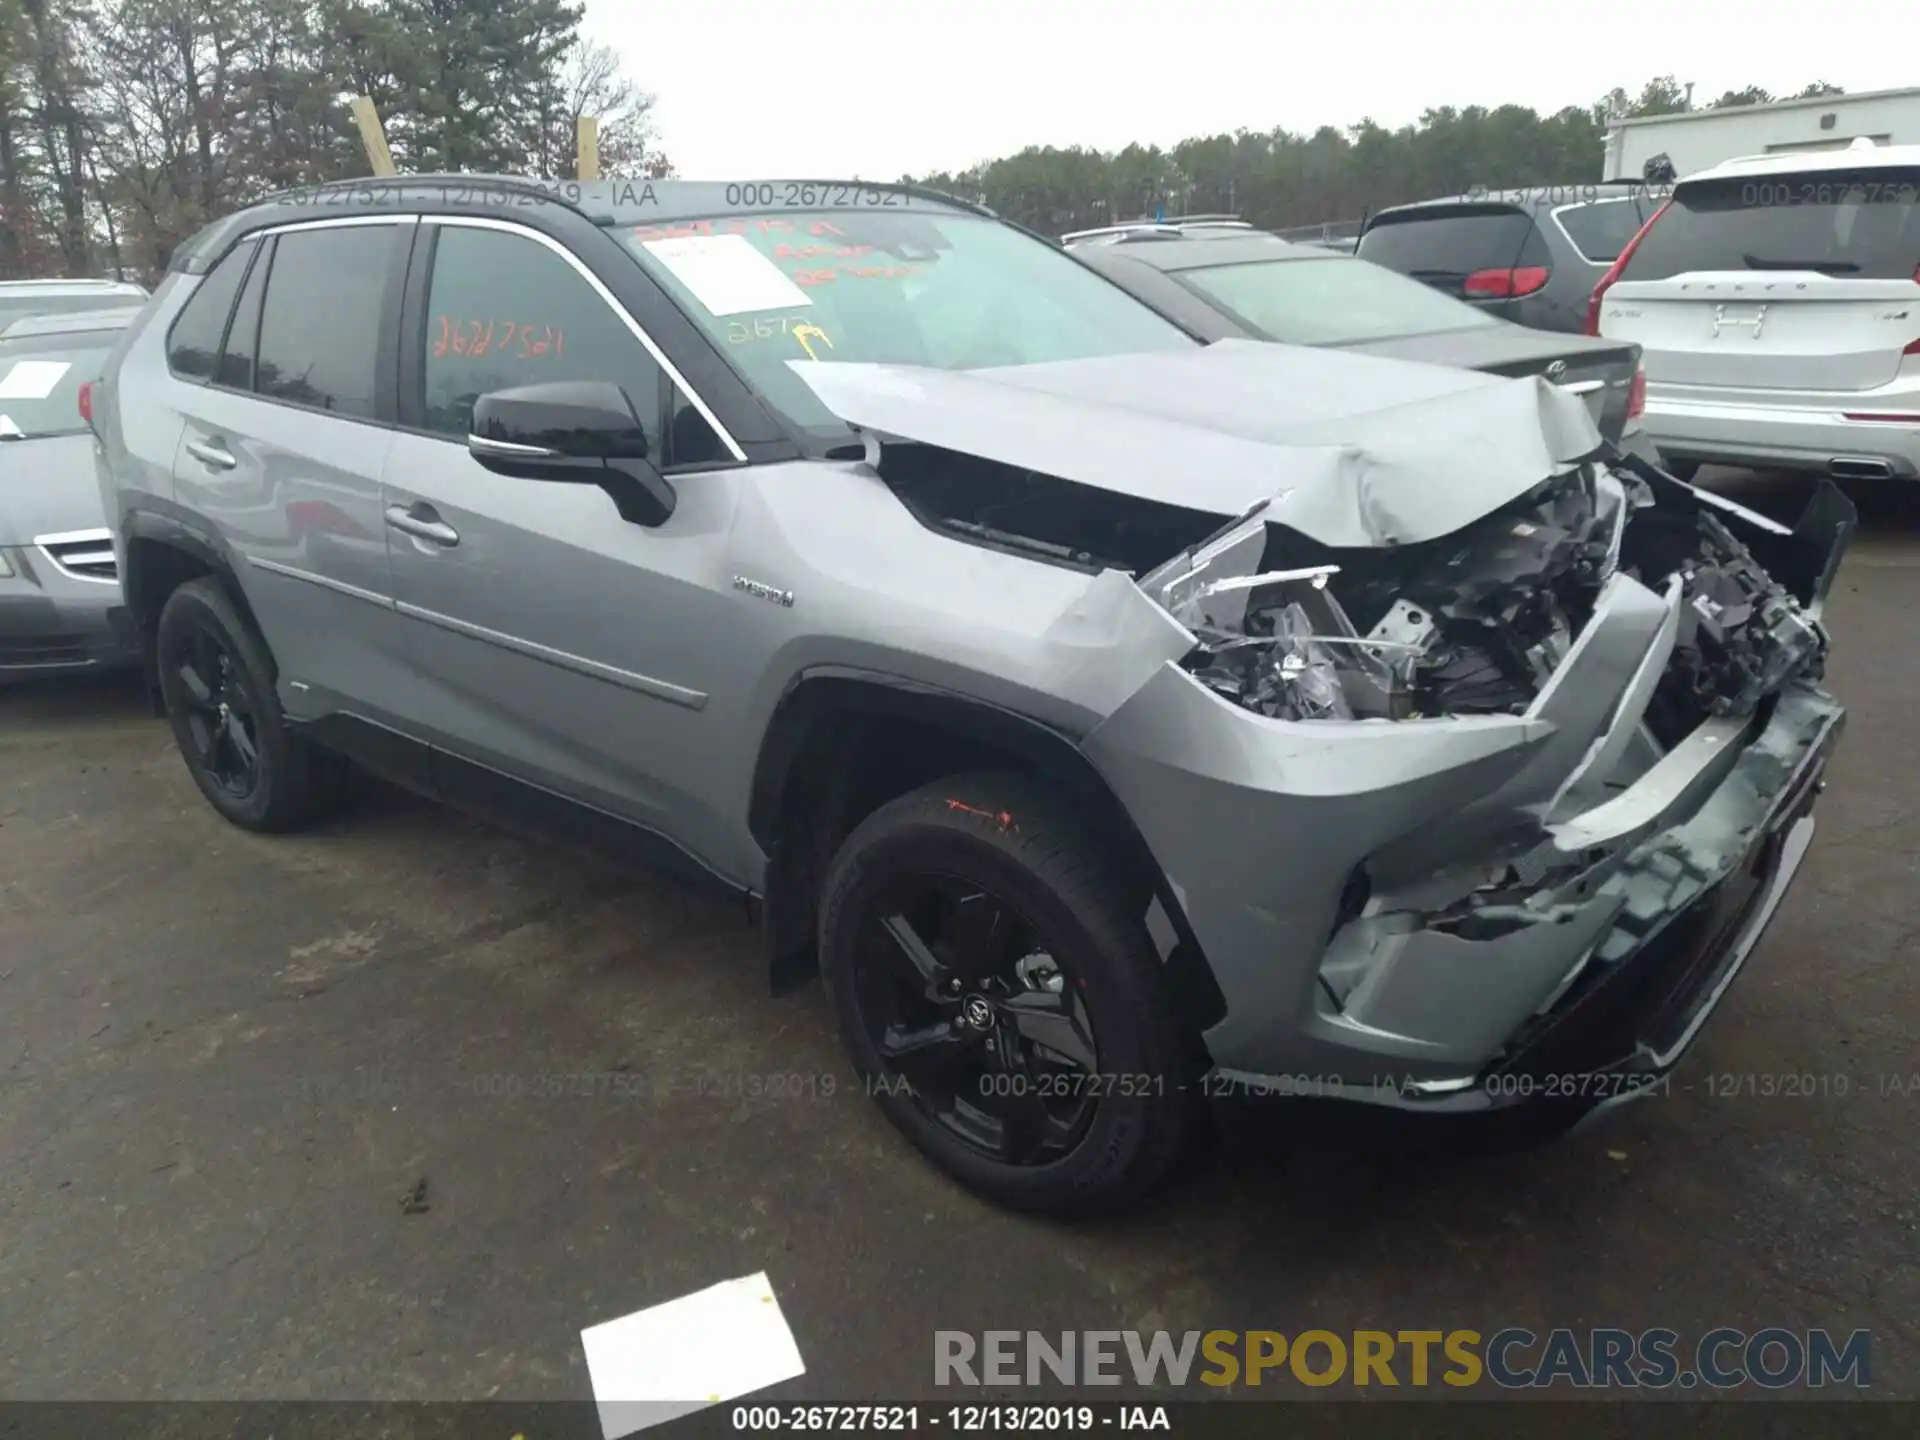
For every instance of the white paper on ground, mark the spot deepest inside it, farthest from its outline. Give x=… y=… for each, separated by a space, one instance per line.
x=726 y=274
x=32 y=379
x=702 y=1349
x=7 y=427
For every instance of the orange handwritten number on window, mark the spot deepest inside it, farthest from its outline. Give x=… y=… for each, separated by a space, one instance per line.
x=440 y=338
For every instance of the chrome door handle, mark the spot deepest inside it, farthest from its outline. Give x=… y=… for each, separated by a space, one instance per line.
x=437 y=531
x=211 y=455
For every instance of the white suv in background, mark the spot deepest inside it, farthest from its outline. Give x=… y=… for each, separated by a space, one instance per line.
x=1776 y=300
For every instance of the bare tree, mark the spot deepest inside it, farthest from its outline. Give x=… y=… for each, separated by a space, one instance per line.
x=591 y=83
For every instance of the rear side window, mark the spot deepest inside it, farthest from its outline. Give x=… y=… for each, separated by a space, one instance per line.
x=243 y=334
x=1600 y=231
x=320 y=323
x=193 y=345
x=1450 y=243
x=1851 y=225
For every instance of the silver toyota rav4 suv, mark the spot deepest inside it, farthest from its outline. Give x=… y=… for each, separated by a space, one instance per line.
x=1122 y=722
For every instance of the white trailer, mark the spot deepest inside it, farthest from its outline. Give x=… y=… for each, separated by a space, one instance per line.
x=1697 y=139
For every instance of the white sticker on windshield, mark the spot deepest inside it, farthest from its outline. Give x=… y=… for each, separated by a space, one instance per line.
x=726 y=274
x=32 y=379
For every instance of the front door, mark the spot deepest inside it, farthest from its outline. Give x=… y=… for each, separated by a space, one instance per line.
x=553 y=641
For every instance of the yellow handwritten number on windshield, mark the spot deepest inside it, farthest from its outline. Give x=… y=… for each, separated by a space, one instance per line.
x=803 y=332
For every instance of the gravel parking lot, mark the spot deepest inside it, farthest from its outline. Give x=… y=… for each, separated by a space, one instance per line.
x=227 y=1064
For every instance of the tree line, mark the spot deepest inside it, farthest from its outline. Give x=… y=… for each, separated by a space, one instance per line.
x=1279 y=180
x=125 y=125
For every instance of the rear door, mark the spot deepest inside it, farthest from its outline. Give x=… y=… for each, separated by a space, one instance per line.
x=286 y=434
x=1798 y=282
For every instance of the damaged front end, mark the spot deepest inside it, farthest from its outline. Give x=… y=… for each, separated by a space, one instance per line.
x=1654 y=692
x=1478 y=622
x=1476 y=744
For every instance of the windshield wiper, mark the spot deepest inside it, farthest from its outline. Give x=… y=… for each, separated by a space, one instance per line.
x=1822 y=267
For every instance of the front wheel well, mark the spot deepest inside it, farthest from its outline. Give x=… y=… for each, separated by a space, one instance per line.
x=839 y=748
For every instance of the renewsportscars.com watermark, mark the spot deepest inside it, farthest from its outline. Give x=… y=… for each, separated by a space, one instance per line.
x=1600 y=1359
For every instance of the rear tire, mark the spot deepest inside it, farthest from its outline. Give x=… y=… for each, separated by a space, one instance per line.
x=1031 y=1049
x=216 y=680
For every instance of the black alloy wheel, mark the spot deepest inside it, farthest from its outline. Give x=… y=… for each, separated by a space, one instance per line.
x=217 y=680
x=218 y=716
x=965 y=1001
x=987 y=956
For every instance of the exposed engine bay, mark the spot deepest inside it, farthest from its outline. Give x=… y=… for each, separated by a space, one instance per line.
x=1471 y=623
x=1476 y=622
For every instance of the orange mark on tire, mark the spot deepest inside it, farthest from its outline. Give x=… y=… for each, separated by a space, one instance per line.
x=1002 y=818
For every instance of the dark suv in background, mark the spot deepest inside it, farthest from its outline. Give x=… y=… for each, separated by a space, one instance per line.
x=1530 y=255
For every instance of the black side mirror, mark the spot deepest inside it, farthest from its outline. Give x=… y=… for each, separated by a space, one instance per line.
x=578 y=432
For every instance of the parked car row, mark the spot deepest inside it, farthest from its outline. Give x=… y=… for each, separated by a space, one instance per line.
x=1220 y=281
x=1125 y=713
x=1776 y=299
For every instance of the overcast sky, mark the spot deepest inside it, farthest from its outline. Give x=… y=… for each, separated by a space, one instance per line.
x=756 y=88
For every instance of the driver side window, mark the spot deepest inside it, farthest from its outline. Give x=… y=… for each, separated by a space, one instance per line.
x=504 y=310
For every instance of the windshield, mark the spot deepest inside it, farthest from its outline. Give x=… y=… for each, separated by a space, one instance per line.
x=1329 y=302
x=937 y=288
x=20 y=304
x=40 y=382
x=1856 y=225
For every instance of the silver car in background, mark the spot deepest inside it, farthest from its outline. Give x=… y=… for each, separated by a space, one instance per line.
x=60 y=607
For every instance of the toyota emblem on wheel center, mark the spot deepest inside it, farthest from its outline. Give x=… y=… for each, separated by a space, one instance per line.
x=979 y=1012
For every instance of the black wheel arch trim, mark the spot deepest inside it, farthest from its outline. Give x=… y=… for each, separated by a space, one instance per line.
x=153 y=521
x=820 y=699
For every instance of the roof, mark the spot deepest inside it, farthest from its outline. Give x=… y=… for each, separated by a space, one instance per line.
x=1728 y=112
x=1528 y=197
x=604 y=202
x=70 y=323
x=1226 y=247
x=1171 y=225
x=76 y=287
x=1798 y=162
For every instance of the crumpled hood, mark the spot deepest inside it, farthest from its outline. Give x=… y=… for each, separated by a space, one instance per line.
x=1353 y=450
x=47 y=487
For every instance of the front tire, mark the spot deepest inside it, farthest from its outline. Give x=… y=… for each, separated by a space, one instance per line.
x=997 y=992
x=216 y=681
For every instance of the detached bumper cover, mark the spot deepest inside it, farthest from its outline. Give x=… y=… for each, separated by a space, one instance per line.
x=1697 y=901
x=1643 y=902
